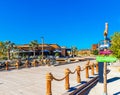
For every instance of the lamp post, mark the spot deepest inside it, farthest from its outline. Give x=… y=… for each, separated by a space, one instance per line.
x=42 y=38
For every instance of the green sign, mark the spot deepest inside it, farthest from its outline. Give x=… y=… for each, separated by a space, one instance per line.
x=106 y=59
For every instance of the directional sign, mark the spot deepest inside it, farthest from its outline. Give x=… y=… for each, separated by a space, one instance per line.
x=107 y=52
x=103 y=46
x=106 y=59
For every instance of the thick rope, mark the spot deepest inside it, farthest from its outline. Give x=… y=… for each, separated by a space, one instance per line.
x=63 y=77
x=73 y=72
x=69 y=73
x=83 y=69
x=59 y=79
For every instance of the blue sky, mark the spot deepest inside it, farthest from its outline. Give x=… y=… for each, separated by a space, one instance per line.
x=68 y=23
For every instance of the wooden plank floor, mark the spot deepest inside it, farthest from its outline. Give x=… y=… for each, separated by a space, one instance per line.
x=31 y=81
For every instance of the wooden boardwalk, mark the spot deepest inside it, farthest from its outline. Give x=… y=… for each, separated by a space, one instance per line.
x=32 y=81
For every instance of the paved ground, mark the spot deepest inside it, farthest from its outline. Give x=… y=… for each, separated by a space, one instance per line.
x=113 y=83
x=31 y=81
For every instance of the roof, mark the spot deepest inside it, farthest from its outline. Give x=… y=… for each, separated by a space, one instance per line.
x=50 y=46
x=56 y=46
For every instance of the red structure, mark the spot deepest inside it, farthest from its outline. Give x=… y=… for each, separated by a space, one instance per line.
x=107 y=52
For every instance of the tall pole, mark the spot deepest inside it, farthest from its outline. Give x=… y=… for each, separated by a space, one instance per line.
x=42 y=38
x=105 y=78
x=105 y=64
x=106 y=31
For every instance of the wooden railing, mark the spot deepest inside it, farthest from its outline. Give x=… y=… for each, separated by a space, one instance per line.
x=50 y=77
x=9 y=65
x=17 y=64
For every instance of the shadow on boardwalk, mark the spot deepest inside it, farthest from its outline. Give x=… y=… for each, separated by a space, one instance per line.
x=75 y=87
x=87 y=92
x=118 y=93
x=113 y=79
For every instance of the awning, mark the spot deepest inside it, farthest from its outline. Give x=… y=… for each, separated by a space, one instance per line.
x=57 y=50
x=45 y=50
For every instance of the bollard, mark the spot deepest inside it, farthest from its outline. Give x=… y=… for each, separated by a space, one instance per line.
x=45 y=61
x=97 y=68
x=67 y=85
x=6 y=63
x=87 y=71
x=26 y=63
x=17 y=64
x=48 y=84
x=78 y=74
x=88 y=62
x=40 y=62
x=48 y=62
x=92 y=69
x=34 y=63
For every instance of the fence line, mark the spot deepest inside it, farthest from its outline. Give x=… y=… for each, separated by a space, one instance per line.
x=50 y=77
x=18 y=64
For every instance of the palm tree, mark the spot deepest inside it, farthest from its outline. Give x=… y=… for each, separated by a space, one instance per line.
x=74 y=50
x=9 y=46
x=2 y=48
x=34 y=44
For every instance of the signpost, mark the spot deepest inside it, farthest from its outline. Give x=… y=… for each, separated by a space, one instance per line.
x=105 y=59
x=103 y=47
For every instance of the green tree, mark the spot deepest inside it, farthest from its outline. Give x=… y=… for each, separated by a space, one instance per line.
x=8 y=47
x=115 y=44
x=57 y=54
x=95 y=52
x=74 y=50
x=2 y=48
x=34 y=44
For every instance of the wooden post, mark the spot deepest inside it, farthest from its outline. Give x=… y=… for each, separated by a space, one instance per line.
x=34 y=63
x=17 y=64
x=40 y=62
x=97 y=68
x=48 y=62
x=26 y=63
x=92 y=68
x=78 y=74
x=87 y=71
x=7 y=67
x=105 y=78
x=67 y=85
x=48 y=84
x=88 y=62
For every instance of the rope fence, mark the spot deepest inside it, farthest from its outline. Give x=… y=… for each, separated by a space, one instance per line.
x=12 y=64
x=9 y=65
x=67 y=72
